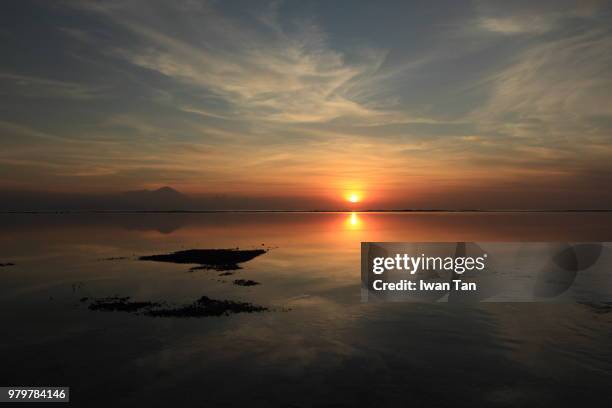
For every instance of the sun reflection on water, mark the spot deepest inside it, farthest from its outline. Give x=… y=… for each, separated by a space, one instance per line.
x=353 y=222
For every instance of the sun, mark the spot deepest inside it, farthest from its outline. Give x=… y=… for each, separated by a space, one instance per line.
x=353 y=198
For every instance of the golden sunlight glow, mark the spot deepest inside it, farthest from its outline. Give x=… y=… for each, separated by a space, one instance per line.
x=353 y=221
x=353 y=198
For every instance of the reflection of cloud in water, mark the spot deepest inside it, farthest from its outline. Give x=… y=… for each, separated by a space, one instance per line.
x=554 y=340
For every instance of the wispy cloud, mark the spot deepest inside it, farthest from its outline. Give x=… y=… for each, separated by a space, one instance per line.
x=37 y=87
x=530 y=24
x=525 y=17
x=269 y=73
x=554 y=89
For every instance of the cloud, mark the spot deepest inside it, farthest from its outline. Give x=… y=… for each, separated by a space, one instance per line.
x=555 y=88
x=531 y=24
x=263 y=71
x=36 y=87
x=531 y=18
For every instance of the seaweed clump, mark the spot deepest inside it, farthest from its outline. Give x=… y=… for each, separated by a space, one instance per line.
x=245 y=282
x=120 y=304
x=202 y=307
x=206 y=306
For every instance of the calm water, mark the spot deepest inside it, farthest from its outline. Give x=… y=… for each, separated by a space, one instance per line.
x=319 y=346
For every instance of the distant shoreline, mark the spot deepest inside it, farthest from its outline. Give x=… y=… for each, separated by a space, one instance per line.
x=59 y=212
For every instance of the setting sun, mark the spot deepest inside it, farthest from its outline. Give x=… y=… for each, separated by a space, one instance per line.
x=353 y=198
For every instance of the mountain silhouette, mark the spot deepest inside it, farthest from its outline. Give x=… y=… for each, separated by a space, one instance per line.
x=163 y=192
x=164 y=198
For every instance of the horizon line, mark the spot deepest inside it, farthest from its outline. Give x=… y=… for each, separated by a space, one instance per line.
x=416 y=210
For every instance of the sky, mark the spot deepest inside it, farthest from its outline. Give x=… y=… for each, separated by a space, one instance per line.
x=408 y=104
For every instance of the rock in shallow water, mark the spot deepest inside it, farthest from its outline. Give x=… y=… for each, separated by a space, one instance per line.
x=217 y=259
x=245 y=282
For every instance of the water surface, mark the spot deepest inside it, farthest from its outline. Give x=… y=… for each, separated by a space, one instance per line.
x=317 y=346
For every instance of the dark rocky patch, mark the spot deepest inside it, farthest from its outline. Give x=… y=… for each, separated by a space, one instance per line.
x=217 y=259
x=226 y=274
x=206 y=306
x=120 y=304
x=215 y=268
x=202 y=307
x=245 y=282
x=4 y=265
x=115 y=258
